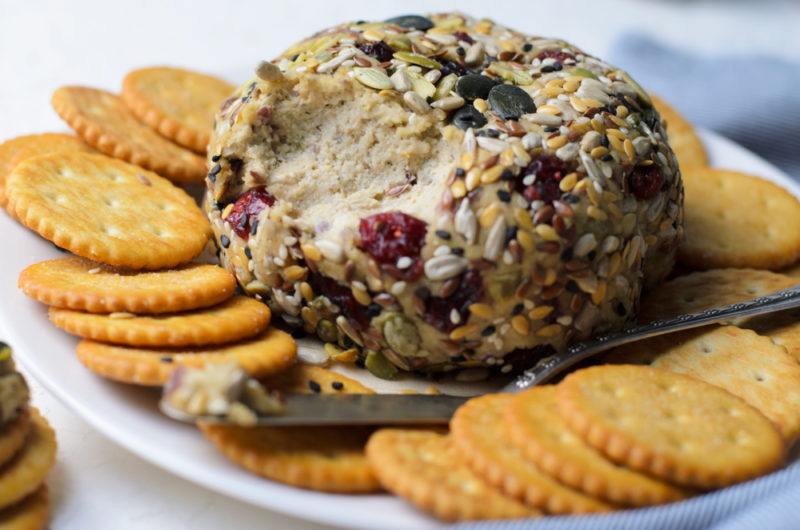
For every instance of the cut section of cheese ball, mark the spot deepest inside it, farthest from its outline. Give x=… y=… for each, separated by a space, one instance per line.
x=447 y=194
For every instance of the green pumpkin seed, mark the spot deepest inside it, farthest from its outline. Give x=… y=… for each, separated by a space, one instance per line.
x=398 y=42
x=373 y=78
x=379 y=366
x=636 y=87
x=510 y=74
x=401 y=335
x=419 y=60
x=411 y=22
x=326 y=330
x=581 y=72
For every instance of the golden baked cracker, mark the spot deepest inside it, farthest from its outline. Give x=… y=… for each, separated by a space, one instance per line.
x=669 y=425
x=422 y=467
x=107 y=210
x=105 y=123
x=179 y=104
x=269 y=353
x=84 y=285
x=318 y=458
x=683 y=139
x=703 y=290
x=237 y=318
x=480 y=436
x=783 y=328
x=13 y=436
x=737 y=220
x=739 y=360
x=27 y=471
x=30 y=514
x=15 y=150
x=535 y=426
x=306 y=378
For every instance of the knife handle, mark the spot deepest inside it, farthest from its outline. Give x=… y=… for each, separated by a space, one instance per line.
x=549 y=367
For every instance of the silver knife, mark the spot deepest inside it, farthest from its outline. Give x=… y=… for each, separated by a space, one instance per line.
x=405 y=409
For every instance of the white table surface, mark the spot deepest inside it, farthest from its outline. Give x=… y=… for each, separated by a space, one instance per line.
x=44 y=44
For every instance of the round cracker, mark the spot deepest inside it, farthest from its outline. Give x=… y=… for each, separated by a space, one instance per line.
x=782 y=328
x=737 y=220
x=13 y=436
x=30 y=514
x=305 y=378
x=669 y=425
x=537 y=429
x=422 y=467
x=267 y=354
x=237 y=318
x=683 y=139
x=15 y=150
x=480 y=436
x=84 y=285
x=107 y=210
x=179 y=104
x=739 y=360
x=318 y=458
x=27 y=471
x=698 y=291
x=105 y=123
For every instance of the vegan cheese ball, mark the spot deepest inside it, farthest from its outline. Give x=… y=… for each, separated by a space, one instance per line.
x=444 y=192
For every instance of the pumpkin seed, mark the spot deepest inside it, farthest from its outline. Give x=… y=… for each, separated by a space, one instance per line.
x=373 y=78
x=401 y=335
x=411 y=22
x=445 y=86
x=510 y=102
x=510 y=74
x=415 y=58
x=379 y=366
x=421 y=86
x=474 y=86
x=326 y=330
x=581 y=72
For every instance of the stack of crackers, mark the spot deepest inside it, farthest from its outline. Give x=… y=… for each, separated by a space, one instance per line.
x=27 y=453
x=662 y=420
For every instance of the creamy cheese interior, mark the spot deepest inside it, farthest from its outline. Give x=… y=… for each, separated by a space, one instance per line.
x=339 y=151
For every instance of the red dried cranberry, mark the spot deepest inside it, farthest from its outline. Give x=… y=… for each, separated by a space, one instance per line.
x=246 y=209
x=461 y=36
x=391 y=235
x=548 y=172
x=645 y=181
x=379 y=49
x=438 y=309
x=558 y=55
x=342 y=297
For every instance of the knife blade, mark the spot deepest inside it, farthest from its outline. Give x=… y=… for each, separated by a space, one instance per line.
x=347 y=409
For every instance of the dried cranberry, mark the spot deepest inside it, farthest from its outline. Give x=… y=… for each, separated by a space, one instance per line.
x=645 y=181
x=461 y=36
x=452 y=67
x=389 y=236
x=342 y=297
x=438 y=309
x=246 y=209
x=378 y=49
x=548 y=172
x=558 y=55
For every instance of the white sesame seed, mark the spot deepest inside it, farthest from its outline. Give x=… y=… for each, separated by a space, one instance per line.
x=404 y=262
x=397 y=288
x=455 y=316
x=441 y=250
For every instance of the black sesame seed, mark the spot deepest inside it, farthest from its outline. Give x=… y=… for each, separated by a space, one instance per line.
x=571 y=198
x=373 y=310
x=506 y=175
x=461 y=51
x=166 y=360
x=314 y=386
x=216 y=158
x=527 y=47
x=360 y=363
x=604 y=141
x=337 y=385
x=443 y=234
x=557 y=66
x=214 y=170
x=550 y=129
x=248 y=253
x=547 y=69
x=607 y=158
x=517 y=309
x=503 y=195
x=458 y=251
x=460 y=172
x=511 y=233
x=224 y=241
x=294 y=57
x=254 y=228
x=488 y=330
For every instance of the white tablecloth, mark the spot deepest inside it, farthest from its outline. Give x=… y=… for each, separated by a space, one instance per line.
x=44 y=44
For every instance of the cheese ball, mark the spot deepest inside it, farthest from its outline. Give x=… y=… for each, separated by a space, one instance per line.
x=442 y=192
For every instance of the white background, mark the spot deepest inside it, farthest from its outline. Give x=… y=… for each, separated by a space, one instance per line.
x=44 y=44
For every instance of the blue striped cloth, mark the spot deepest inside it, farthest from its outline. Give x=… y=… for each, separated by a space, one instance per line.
x=754 y=101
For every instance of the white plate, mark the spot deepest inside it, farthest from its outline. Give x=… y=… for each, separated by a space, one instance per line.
x=128 y=415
